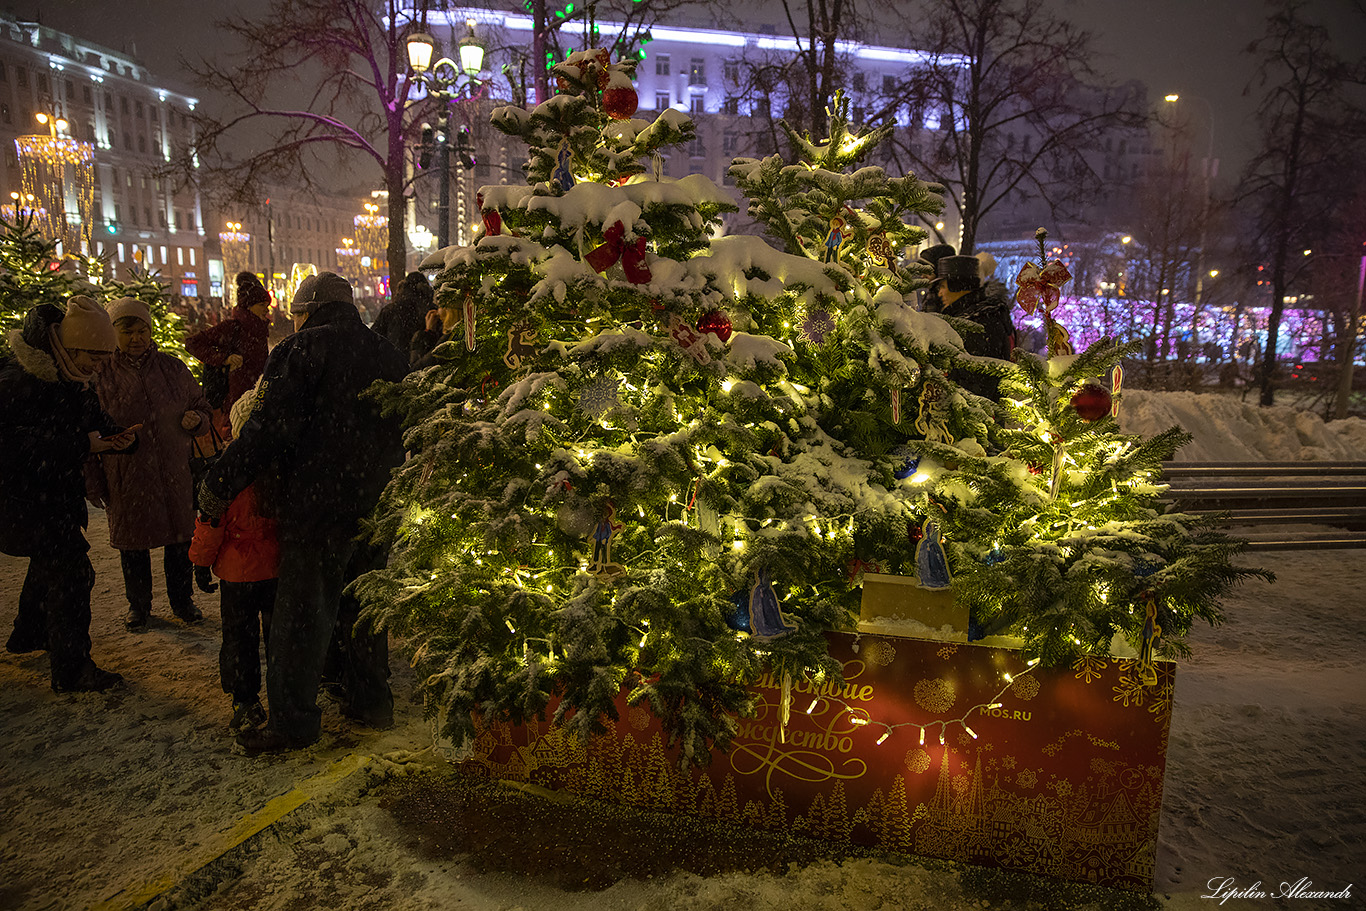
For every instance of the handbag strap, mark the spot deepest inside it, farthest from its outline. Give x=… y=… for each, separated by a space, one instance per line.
x=214 y=436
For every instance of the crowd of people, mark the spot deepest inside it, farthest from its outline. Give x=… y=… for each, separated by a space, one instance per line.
x=259 y=478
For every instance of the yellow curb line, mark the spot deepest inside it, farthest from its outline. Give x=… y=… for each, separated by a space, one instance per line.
x=216 y=847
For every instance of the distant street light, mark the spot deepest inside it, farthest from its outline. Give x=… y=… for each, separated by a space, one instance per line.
x=447 y=81
x=1208 y=172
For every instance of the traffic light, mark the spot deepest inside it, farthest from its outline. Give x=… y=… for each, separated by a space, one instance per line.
x=424 y=159
x=464 y=149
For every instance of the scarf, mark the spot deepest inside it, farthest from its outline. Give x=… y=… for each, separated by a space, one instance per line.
x=65 y=365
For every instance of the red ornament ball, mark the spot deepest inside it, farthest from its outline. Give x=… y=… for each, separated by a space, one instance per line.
x=620 y=102
x=1092 y=402
x=715 y=322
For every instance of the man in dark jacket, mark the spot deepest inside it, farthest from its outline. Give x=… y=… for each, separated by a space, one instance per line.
x=407 y=313
x=323 y=454
x=51 y=421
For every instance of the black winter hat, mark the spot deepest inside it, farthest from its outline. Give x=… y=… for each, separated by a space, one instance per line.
x=958 y=272
x=250 y=291
x=932 y=255
x=417 y=289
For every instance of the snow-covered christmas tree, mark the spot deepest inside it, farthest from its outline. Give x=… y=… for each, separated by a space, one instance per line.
x=658 y=458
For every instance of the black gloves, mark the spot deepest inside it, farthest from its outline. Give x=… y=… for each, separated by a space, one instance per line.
x=204 y=580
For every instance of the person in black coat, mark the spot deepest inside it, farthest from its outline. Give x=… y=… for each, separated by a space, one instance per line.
x=51 y=421
x=323 y=454
x=959 y=292
x=406 y=314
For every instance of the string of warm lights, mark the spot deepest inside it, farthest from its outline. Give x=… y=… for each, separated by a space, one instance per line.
x=860 y=716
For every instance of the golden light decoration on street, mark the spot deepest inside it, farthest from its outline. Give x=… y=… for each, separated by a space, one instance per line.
x=372 y=238
x=236 y=256
x=59 y=173
x=348 y=261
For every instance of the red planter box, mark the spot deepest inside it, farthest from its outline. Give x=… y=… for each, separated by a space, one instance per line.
x=1063 y=777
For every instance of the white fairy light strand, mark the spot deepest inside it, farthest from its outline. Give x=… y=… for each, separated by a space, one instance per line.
x=862 y=720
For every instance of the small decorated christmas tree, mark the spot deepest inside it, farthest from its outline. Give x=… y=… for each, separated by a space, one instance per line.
x=32 y=273
x=650 y=456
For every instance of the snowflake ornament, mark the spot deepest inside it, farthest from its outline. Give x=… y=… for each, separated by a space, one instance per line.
x=817 y=325
x=599 y=396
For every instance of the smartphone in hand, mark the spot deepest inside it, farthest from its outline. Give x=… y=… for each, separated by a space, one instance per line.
x=113 y=436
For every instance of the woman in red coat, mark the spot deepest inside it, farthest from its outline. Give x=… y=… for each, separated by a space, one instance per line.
x=240 y=342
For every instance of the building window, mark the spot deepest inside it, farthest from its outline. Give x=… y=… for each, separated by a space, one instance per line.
x=70 y=90
x=192 y=256
x=662 y=65
x=180 y=256
x=161 y=217
x=730 y=142
x=21 y=77
x=122 y=258
x=695 y=167
x=132 y=215
x=695 y=104
x=889 y=84
x=43 y=87
x=87 y=95
x=148 y=213
x=733 y=72
x=163 y=253
x=731 y=105
x=123 y=104
x=128 y=141
x=661 y=100
x=697 y=71
x=860 y=82
x=140 y=112
x=4 y=113
x=697 y=148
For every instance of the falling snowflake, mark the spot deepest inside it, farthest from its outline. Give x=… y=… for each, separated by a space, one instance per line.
x=599 y=396
x=817 y=325
x=934 y=695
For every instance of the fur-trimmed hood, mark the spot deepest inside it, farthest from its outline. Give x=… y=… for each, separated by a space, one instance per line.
x=30 y=343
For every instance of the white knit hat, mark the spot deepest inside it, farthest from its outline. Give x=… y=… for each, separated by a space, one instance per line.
x=129 y=306
x=86 y=326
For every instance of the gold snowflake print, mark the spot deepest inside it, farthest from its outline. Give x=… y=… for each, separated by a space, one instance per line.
x=1008 y=762
x=1130 y=689
x=639 y=717
x=1027 y=778
x=879 y=652
x=1162 y=701
x=1025 y=688
x=917 y=760
x=1062 y=786
x=934 y=695
x=1089 y=667
x=948 y=651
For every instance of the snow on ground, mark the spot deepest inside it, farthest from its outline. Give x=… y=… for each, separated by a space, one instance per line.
x=1230 y=429
x=103 y=794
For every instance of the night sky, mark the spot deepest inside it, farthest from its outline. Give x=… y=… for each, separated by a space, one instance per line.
x=1188 y=46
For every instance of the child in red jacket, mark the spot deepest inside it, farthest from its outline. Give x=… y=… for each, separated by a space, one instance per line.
x=243 y=549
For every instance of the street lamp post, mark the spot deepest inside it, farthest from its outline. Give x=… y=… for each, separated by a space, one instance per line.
x=444 y=81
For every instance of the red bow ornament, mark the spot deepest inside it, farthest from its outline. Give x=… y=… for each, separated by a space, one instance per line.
x=614 y=247
x=1041 y=287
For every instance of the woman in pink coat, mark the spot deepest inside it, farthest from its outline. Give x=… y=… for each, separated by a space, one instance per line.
x=149 y=495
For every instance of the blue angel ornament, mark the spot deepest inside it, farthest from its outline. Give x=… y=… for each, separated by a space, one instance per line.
x=766 y=620
x=931 y=564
